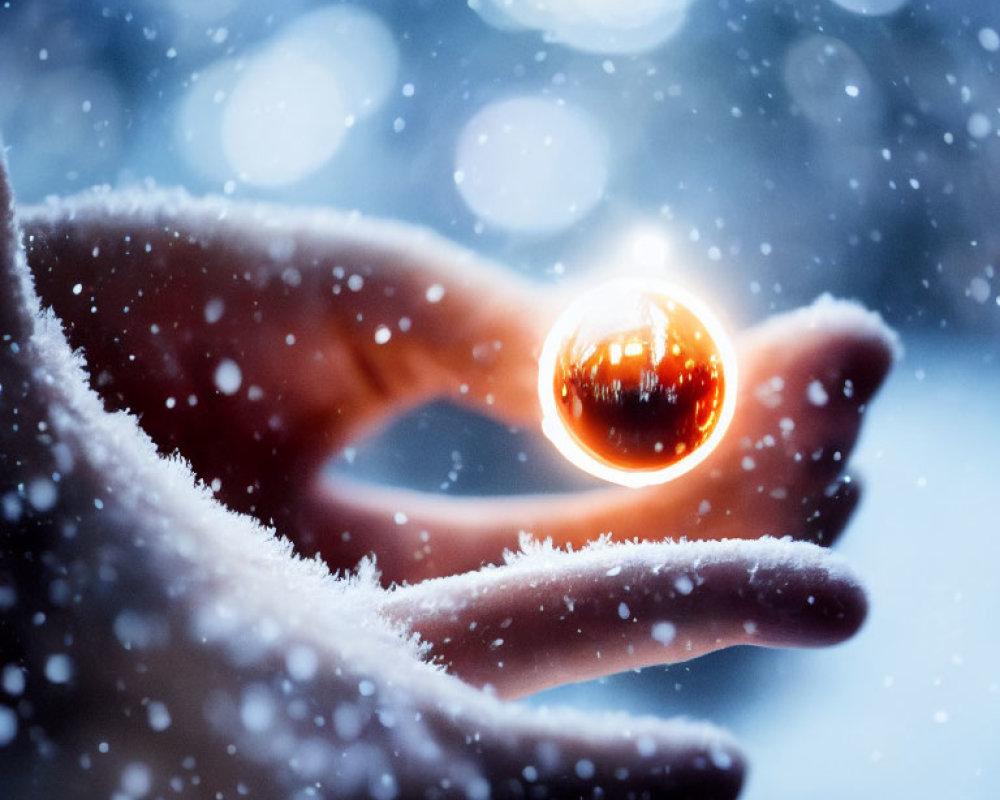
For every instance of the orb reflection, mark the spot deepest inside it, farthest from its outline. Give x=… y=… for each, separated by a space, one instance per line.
x=637 y=382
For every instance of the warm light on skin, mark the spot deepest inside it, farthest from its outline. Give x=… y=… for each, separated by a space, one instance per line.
x=612 y=313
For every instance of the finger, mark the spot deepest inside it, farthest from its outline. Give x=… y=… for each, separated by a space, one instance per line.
x=552 y=617
x=165 y=626
x=783 y=460
x=777 y=472
x=257 y=341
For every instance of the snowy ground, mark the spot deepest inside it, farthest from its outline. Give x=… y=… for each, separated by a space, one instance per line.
x=911 y=706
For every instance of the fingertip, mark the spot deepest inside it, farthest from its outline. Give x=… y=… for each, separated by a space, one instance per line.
x=817 y=607
x=846 y=347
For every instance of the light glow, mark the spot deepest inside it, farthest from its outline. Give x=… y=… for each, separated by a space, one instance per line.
x=672 y=404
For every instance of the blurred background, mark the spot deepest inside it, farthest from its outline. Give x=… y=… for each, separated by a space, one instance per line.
x=764 y=151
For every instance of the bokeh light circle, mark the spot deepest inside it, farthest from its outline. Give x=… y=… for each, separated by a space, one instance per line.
x=593 y=26
x=871 y=8
x=279 y=115
x=532 y=165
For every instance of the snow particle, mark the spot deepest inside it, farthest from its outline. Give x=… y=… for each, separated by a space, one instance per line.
x=720 y=758
x=978 y=125
x=228 y=376
x=214 y=309
x=136 y=780
x=42 y=494
x=645 y=746
x=584 y=769
x=347 y=721
x=59 y=668
x=623 y=611
x=434 y=293
x=12 y=680
x=257 y=709
x=816 y=394
x=158 y=716
x=664 y=632
x=989 y=39
x=301 y=662
x=382 y=334
x=8 y=725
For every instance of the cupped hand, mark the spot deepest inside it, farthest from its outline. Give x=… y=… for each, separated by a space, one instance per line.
x=256 y=342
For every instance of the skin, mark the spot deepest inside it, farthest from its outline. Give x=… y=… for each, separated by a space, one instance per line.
x=276 y=676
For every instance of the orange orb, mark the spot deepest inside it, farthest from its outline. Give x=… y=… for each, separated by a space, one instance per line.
x=637 y=381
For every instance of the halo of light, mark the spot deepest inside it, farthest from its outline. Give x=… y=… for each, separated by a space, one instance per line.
x=531 y=165
x=281 y=114
x=198 y=120
x=594 y=26
x=284 y=119
x=871 y=8
x=830 y=83
x=594 y=304
x=356 y=46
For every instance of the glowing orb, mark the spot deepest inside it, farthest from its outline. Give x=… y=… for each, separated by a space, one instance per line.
x=637 y=381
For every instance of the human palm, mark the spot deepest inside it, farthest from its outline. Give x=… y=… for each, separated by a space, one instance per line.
x=253 y=341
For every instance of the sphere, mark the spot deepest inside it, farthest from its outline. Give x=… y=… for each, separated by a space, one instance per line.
x=637 y=382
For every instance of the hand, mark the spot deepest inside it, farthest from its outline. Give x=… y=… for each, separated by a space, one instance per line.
x=184 y=630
